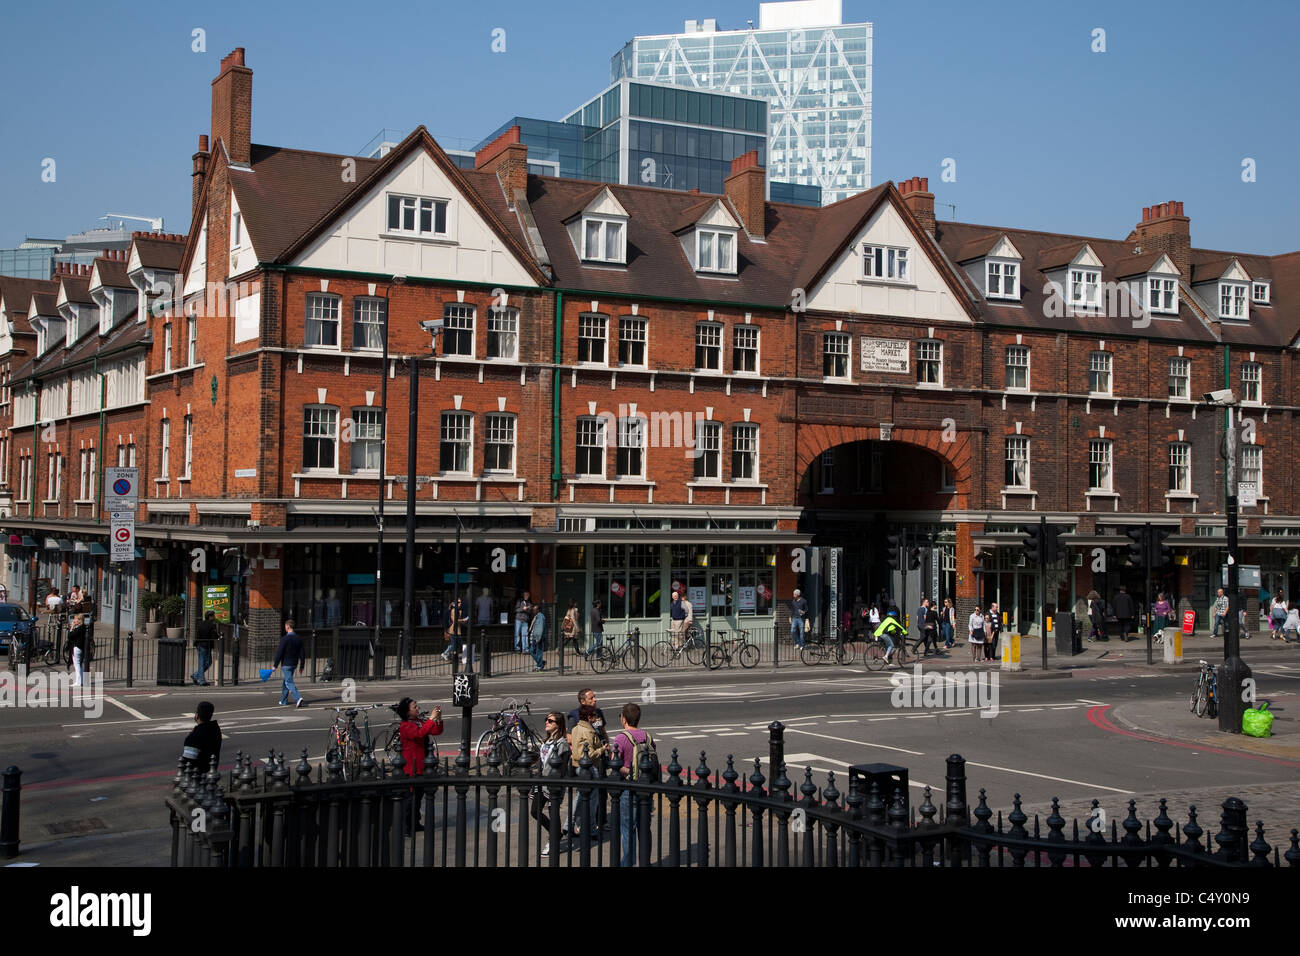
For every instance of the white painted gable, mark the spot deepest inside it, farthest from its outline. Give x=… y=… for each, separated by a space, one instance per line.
x=926 y=296
x=718 y=216
x=1164 y=266
x=1086 y=257
x=243 y=256
x=605 y=204
x=360 y=242
x=196 y=279
x=1236 y=273
x=1004 y=250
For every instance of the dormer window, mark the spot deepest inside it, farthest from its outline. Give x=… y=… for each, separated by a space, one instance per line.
x=1232 y=300
x=715 y=250
x=602 y=239
x=417 y=216
x=1259 y=293
x=1162 y=295
x=1002 y=279
x=1085 y=288
x=885 y=262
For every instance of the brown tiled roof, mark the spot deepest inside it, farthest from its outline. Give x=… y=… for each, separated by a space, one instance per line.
x=46 y=303
x=976 y=248
x=158 y=252
x=17 y=294
x=112 y=274
x=1053 y=257
x=76 y=289
x=829 y=230
x=1135 y=265
x=691 y=214
x=126 y=332
x=1212 y=269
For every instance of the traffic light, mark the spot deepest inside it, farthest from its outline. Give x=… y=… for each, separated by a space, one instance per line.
x=1137 y=543
x=914 y=559
x=1163 y=553
x=1032 y=542
x=1054 y=548
x=892 y=543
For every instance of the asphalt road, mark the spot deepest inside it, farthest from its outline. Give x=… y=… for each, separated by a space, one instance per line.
x=102 y=779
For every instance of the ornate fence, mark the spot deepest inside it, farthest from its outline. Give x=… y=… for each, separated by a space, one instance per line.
x=488 y=814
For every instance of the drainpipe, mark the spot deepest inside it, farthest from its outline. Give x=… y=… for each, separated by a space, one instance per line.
x=99 y=462
x=555 y=397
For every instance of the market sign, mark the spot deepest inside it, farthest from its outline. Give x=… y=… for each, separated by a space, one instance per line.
x=890 y=356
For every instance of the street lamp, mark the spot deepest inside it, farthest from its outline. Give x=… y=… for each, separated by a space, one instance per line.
x=434 y=328
x=383 y=460
x=1233 y=672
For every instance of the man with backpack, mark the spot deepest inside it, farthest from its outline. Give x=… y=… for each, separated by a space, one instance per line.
x=631 y=745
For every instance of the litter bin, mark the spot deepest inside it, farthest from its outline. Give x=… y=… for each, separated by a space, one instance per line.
x=171 y=663
x=354 y=658
x=1064 y=634
x=886 y=776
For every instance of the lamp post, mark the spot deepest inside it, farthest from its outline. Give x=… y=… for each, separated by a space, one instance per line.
x=413 y=427
x=1233 y=672
x=383 y=460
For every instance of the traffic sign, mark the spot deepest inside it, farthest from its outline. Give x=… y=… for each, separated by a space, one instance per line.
x=120 y=489
x=122 y=536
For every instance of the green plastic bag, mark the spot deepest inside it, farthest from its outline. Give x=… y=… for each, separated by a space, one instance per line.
x=1257 y=721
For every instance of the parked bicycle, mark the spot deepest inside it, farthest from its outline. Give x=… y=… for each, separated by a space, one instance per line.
x=349 y=741
x=29 y=648
x=631 y=655
x=1205 y=699
x=723 y=649
x=667 y=651
x=828 y=651
x=509 y=737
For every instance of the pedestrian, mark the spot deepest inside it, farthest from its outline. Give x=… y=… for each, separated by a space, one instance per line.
x=929 y=627
x=1125 y=612
x=1097 y=617
x=202 y=747
x=554 y=744
x=1291 y=627
x=53 y=601
x=586 y=740
x=456 y=623
x=586 y=697
x=630 y=745
x=77 y=643
x=1277 y=617
x=205 y=636
x=799 y=623
x=289 y=657
x=948 y=623
x=415 y=734
x=597 y=622
x=976 y=627
x=537 y=639
x=992 y=631
x=1220 y=612
x=873 y=617
x=680 y=612
x=1161 y=611
x=524 y=609
x=569 y=628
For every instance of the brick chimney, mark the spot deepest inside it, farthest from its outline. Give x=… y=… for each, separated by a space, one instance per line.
x=918 y=198
x=746 y=188
x=196 y=178
x=1164 y=228
x=508 y=158
x=232 y=107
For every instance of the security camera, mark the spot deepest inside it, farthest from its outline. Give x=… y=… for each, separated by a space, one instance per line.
x=432 y=326
x=1222 y=396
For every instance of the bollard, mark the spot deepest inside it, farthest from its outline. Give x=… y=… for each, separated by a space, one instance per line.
x=313 y=655
x=1011 y=652
x=11 y=791
x=130 y=657
x=1173 y=645
x=775 y=747
x=487 y=653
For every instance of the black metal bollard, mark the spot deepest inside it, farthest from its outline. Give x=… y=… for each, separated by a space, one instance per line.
x=130 y=658
x=313 y=655
x=486 y=659
x=775 y=746
x=234 y=661
x=11 y=792
x=559 y=667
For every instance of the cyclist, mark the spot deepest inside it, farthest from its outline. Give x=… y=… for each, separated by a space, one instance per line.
x=890 y=626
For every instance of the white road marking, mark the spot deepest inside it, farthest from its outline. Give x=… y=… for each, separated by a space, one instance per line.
x=130 y=710
x=734 y=733
x=1023 y=710
x=841 y=721
x=1043 y=776
x=1071 y=707
x=1095 y=703
x=863 y=743
x=870 y=719
x=689 y=736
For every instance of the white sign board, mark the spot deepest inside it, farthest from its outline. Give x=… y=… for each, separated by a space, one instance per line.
x=698 y=598
x=748 y=600
x=120 y=489
x=121 y=536
x=1247 y=494
x=885 y=355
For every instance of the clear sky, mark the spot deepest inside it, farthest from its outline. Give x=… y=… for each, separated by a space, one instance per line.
x=1045 y=132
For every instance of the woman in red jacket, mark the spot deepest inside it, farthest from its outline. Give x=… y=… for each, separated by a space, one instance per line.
x=414 y=736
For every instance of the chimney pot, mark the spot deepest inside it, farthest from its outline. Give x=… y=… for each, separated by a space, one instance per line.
x=917 y=198
x=203 y=142
x=746 y=187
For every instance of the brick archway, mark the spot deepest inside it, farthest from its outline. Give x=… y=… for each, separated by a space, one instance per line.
x=815 y=439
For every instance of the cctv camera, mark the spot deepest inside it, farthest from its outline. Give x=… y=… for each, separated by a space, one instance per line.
x=1222 y=396
x=432 y=326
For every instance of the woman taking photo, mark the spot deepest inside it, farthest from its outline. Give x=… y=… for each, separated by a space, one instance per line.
x=976 y=626
x=415 y=734
x=554 y=744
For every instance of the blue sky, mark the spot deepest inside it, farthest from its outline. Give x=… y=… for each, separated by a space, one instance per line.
x=1045 y=133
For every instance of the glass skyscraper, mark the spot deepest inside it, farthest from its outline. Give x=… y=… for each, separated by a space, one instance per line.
x=813 y=70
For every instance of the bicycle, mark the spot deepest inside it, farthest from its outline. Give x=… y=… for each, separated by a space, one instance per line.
x=819 y=652
x=349 y=742
x=874 y=654
x=1206 y=695
x=609 y=655
x=724 y=648
x=509 y=737
x=667 y=651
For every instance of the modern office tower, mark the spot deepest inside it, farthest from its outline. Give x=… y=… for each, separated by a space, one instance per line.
x=813 y=70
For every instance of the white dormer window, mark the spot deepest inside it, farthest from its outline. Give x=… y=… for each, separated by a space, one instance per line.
x=417 y=215
x=1085 y=288
x=1162 y=295
x=1002 y=280
x=1259 y=292
x=602 y=239
x=885 y=262
x=715 y=250
x=1232 y=300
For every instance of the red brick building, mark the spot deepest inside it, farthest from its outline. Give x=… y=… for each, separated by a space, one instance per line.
x=632 y=388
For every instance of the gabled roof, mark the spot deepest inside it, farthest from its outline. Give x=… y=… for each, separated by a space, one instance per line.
x=46 y=304
x=159 y=251
x=691 y=215
x=977 y=248
x=1054 y=257
x=833 y=229
x=1213 y=269
x=75 y=290
x=111 y=274
x=1137 y=265
x=90 y=343
x=17 y=295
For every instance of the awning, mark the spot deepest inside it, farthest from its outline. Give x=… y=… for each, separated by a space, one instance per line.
x=152 y=554
x=82 y=547
x=139 y=553
x=15 y=539
x=97 y=548
x=65 y=544
x=29 y=542
x=51 y=544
